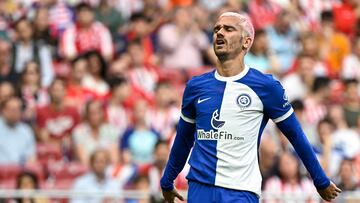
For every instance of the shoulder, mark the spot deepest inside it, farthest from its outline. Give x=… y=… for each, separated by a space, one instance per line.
x=26 y=129
x=200 y=79
x=167 y=27
x=43 y=109
x=84 y=181
x=256 y=78
x=273 y=183
x=80 y=129
x=99 y=26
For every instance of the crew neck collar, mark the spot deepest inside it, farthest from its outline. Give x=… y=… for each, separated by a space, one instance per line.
x=232 y=78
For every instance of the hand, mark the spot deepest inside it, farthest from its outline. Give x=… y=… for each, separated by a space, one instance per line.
x=169 y=196
x=330 y=192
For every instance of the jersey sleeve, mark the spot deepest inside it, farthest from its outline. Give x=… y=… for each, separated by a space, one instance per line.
x=188 y=108
x=276 y=104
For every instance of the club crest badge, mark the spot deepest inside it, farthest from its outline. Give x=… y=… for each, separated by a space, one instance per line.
x=243 y=100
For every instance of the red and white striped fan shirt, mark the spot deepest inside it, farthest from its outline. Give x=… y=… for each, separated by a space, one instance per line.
x=77 y=40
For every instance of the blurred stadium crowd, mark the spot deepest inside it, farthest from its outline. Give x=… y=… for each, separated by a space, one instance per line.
x=90 y=91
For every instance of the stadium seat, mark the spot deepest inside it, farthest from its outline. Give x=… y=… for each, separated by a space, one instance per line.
x=9 y=171
x=62 y=170
x=8 y=174
x=37 y=169
x=47 y=153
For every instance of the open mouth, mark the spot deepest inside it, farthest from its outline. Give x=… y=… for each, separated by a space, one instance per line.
x=220 y=42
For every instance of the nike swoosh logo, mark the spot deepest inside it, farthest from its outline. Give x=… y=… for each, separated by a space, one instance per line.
x=202 y=100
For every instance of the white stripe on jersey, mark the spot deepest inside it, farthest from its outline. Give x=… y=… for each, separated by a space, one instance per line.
x=237 y=165
x=189 y=120
x=283 y=117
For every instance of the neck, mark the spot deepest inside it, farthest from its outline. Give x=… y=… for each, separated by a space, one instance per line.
x=76 y=82
x=57 y=106
x=230 y=67
x=94 y=129
x=26 y=42
x=292 y=181
x=100 y=176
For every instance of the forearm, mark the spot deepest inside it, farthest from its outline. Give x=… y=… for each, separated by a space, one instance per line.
x=292 y=130
x=183 y=143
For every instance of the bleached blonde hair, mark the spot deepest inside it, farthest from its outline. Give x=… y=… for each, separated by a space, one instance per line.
x=244 y=22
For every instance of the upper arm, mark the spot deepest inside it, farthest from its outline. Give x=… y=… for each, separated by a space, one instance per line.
x=188 y=111
x=276 y=104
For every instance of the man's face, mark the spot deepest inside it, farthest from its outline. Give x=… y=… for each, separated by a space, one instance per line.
x=12 y=111
x=95 y=114
x=99 y=163
x=161 y=155
x=57 y=92
x=24 y=30
x=228 y=37
x=85 y=17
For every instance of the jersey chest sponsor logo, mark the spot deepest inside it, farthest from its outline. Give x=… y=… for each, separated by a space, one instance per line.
x=215 y=122
x=217 y=134
x=243 y=101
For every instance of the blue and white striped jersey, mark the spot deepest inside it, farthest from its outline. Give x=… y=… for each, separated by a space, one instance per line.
x=229 y=115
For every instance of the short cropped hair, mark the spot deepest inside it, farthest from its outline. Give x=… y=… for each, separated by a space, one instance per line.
x=245 y=23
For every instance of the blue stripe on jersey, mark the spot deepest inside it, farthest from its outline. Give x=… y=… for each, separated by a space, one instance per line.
x=262 y=126
x=270 y=91
x=207 y=102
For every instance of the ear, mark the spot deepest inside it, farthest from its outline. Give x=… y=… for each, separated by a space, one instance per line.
x=247 y=42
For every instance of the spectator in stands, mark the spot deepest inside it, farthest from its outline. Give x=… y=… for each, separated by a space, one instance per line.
x=139 y=30
x=182 y=42
x=283 y=41
x=139 y=141
x=316 y=101
x=298 y=84
x=118 y=68
x=42 y=32
x=310 y=45
x=94 y=82
x=154 y=170
x=17 y=138
x=31 y=91
x=141 y=184
x=269 y=152
x=346 y=142
x=109 y=16
x=351 y=102
x=165 y=114
x=117 y=113
x=347 y=180
x=93 y=133
x=61 y=16
x=142 y=77
x=259 y=56
x=7 y=90
x=346 y=15
x=56 y=120
x=289 y=181
x=334 y=46
x=26 y=49
x=28 y=181
x=95 y=181
x=351 y=62
x=310 y=130
x=7 y=73
x=323 y=148
x=86 y=35
x=263 y=13
x=76 y=94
